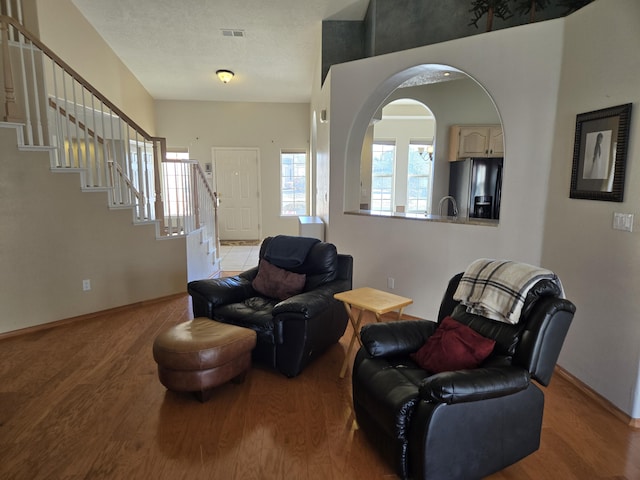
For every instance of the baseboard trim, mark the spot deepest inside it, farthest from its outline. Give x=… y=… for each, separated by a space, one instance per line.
x=66 y=321
x=599 y=399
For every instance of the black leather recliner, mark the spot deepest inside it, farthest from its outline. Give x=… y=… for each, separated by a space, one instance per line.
x=290 y=333
x=462 y=424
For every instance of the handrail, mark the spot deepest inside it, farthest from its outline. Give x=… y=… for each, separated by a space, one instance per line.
x=213 y=200
x=199 y=172
x=203 y=180
x=126 y=179
x=61 y=63
x=72 y=119
x=213 y=197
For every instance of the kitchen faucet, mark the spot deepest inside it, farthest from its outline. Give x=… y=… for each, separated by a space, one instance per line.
x=453 y=203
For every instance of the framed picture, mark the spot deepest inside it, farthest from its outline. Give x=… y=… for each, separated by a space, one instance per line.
x=600 y=153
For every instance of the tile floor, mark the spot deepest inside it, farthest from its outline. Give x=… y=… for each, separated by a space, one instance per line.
x=238 y=258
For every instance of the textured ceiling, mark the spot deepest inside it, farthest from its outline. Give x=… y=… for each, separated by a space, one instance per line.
x=175 y=47
x=434 y=74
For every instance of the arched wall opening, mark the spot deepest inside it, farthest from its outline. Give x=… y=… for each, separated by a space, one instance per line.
x=454 y=98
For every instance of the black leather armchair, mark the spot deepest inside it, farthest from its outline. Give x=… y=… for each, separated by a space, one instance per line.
x=290 y=333
x=462 y=424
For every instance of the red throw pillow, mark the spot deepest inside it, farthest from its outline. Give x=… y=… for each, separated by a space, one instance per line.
x=453 y=346
x=275 y=282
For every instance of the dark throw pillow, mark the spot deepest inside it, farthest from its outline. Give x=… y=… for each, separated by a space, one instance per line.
x=453 y=346
x=275 y=282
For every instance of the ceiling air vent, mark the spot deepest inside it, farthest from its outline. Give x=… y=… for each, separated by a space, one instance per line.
x=232 y=33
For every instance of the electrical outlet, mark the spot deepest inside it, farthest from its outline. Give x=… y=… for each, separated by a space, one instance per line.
x=623 y=221
x=86 y=285
x=391 y=283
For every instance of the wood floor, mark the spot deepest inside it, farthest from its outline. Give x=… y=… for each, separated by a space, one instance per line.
x=83 y=401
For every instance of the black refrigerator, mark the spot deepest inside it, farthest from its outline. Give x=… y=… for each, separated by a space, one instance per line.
x=476 y=184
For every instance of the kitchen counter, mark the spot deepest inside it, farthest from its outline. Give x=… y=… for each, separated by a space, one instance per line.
x=485 y=222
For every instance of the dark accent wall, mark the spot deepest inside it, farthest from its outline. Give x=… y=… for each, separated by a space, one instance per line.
x=342 y=41
x=395 y=25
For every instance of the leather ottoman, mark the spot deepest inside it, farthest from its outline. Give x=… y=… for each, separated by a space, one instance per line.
x=200 y=354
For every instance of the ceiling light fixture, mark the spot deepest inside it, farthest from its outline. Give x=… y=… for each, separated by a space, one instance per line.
x=225 y=76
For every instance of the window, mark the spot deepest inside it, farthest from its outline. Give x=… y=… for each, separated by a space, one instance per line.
x=176 y=183
x=293 y=183
x=382 y=168
x=419 y=178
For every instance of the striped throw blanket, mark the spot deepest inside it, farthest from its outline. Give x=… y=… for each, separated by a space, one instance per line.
x=497 y=289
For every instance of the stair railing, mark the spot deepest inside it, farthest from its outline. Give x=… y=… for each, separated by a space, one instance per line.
x=57 y=109
x=205 y=202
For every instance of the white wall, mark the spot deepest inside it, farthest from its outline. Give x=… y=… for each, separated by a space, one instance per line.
x=520 y=69
x=600 y=267
x=271 y=127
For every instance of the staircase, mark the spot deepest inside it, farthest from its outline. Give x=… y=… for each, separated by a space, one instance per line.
x=54 y=109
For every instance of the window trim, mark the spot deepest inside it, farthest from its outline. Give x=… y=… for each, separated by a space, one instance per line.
x=295 y=151
x=429 y=199
x=391 y=143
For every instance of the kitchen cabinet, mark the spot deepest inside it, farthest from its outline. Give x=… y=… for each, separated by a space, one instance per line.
x=475 y=141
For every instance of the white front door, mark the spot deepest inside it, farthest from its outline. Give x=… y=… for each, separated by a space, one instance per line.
x=236 y=181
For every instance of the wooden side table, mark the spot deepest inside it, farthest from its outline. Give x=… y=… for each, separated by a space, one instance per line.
x=372 y=300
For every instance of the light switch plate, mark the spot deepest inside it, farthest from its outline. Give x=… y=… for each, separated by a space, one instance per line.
x=623 y=221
